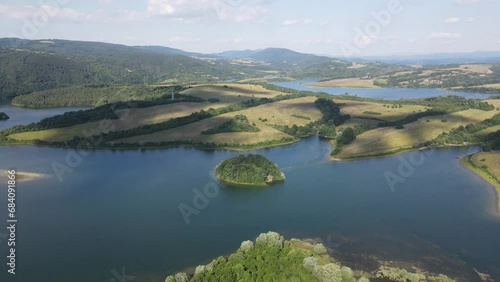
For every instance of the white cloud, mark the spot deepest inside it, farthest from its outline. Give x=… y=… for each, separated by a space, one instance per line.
x=183 y=39
x=445 y=35
x=469 y=20
x=452 y=20
x=290 y=22
x=295 y=22
x=46 y=13
x=367 y=40
x=225 y=10
x=462 y=2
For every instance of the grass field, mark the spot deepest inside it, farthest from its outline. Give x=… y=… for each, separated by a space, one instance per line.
x=477 y=68
x=275 y=113
x=360 y=109
x=493 y=86
x=231 y=94
x=130 y=118
x=486 y=165
x=346 y=82
x=385 y=140
x=489 y=130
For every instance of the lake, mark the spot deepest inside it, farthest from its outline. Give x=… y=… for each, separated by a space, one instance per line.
x=119 y=209
x=379 y=93
x=24 y=116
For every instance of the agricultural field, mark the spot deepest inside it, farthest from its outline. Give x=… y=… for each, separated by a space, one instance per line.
x=486 y=165
x=128 y=118
x=276 y=113
x=492 y=86
x=474 y=68
x=364 y=109
x=231 y=93
x=227 y=94
x=489 y=159
x=385 y=140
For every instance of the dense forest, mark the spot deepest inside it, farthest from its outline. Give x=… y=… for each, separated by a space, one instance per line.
x=29 y=66
x=250 y=169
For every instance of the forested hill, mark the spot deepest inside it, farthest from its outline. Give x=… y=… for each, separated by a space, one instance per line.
x=27 y=66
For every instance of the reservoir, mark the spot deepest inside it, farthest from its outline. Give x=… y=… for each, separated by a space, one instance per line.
x=120 y=210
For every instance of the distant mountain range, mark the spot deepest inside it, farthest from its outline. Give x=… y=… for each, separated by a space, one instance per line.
x=436 y=59
x=33 y=65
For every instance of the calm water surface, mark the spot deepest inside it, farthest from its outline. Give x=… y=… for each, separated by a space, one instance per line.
x=120 y=209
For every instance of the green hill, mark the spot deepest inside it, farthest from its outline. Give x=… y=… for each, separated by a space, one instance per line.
x=28 y=65
x=249 y=170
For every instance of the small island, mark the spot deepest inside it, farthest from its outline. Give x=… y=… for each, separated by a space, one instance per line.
x=249 y=170
x=4 y=116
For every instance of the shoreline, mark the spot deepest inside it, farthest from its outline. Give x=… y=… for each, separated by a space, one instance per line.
x=467 y=163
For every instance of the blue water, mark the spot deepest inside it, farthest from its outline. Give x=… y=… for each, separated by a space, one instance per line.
x=120 y=209
x=379 y=93
x=24 y=116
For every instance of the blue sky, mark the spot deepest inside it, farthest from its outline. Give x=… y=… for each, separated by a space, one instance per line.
x=329 y=27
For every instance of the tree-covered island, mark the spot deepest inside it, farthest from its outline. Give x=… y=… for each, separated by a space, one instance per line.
x=249 y=170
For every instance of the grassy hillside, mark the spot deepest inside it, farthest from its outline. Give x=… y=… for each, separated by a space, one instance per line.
x=486 y=165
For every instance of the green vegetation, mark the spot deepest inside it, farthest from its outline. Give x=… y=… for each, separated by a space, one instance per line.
x=486 y=165
x=348 y=135
x=64 y=120
x=331 y=112
x=29 y=66
x=271 y=258
x=301 y=117
x=469 y=134
x=372 y=113
x=3 y=116
x=97 y=95
x=325 y=127
x=249 y=170
x=410 y=118
x=237 y=124
x=459 y=77
x=402 y=275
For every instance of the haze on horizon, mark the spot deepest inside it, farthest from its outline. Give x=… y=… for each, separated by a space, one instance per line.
x=335 y=28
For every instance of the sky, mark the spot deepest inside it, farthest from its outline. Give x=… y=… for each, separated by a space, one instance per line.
x=354 y=28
